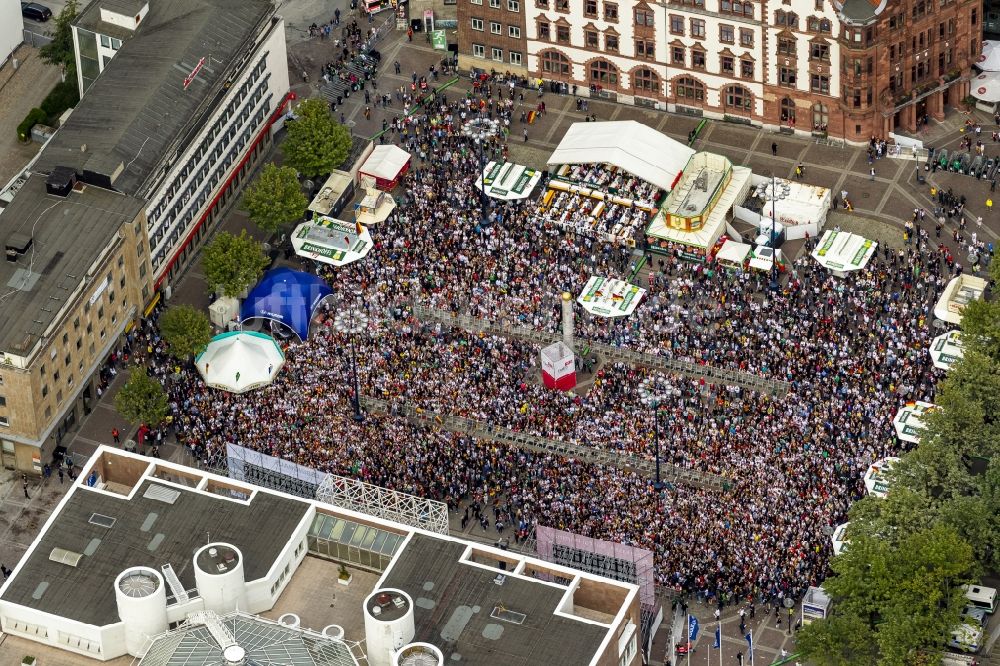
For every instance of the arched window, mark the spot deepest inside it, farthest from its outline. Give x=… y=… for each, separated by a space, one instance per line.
x=604 y=74
x=821 y=117
x=739 y=98
x=687 y=88
x=788 y=111
x=646 y=80
x=554 y=62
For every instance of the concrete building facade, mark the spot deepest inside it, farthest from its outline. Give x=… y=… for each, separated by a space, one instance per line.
x=166 y=163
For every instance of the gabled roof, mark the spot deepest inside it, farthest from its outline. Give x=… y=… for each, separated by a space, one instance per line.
x=627 y=144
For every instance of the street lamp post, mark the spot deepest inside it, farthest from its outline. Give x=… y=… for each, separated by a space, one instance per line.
x=484 y=200
x=774 y=196
x=352 y=322
x=652 y=395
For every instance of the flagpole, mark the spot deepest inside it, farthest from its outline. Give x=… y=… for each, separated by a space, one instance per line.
x=720 y=642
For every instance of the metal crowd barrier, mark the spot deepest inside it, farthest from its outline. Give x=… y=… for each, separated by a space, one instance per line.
x=710 y=374
x=588 y=454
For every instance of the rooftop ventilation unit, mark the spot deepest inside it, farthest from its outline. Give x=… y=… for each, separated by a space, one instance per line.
x=17 y=246
x=61 y=181
x=161 y=493
x=64 y=556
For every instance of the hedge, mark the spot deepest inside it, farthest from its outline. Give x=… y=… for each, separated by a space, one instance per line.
x=34 y=117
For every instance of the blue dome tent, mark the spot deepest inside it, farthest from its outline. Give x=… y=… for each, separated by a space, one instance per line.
x=288 y=297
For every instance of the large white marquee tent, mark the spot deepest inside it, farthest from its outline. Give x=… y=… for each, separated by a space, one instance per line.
x=627 y=144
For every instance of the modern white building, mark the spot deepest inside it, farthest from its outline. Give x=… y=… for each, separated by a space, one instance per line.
x=11 y=29
x=147 y=558
x=99 y=32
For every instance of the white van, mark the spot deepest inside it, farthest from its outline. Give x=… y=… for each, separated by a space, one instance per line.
x=981 y=597
x=966 y=637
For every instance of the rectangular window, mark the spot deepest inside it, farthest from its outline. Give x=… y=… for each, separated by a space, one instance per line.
x=644 y=17
x=697 y=59
x=115 y=44
x=819 y=83
x=727 y=35
x=746 y=69
x=590 y=8
x=497 y=54
x=562 y=34
x=495 y=4
x=477 y=24
x=727 y=64
x=478 y=50
x=543 y=31
x=540 y=4
x=677 y=55
x=786 y=76
x=4 y=422
x=592 y=39
x=514 y=31
x=3 y=401
x=515 y=57
x=697 y=28
x=611 y=43
x=495 y=27
x=645 y=49
x=105 y=41
x=746 y=37
x=786 y=46
x=513 y=6
x=476 y=2
x=611 y=11
x=820 y=52
x=676 y=24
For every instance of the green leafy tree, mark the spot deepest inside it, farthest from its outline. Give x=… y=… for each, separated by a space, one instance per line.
x=275 y=198
x=841 y=640
x=233 y=263
x=59 y=51
x=895 y=600
x=186 y=330
x=315 y=143
x=142 y=399
x=981 y=322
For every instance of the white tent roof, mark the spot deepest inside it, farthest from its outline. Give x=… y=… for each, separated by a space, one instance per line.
x=627 y=144
x=385 y=162
x=959 y=292
x=989 y=61
x=946 y=349
x=986 y=87
x=733 y=252
x=240 y=361
x=908 y=421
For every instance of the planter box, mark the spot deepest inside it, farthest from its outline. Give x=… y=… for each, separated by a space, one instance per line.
x=345 y=581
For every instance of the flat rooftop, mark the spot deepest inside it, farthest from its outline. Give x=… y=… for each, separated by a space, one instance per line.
x=138 y=107
x=90 y=18
x=147 y=531
x=455 y=601
x=67 y=234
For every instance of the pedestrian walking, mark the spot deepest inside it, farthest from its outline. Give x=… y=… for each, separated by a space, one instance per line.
x=116 y=435
x=872 y=172
x=396 y=65
x=774 y=148
x=60 y=470
x=24 y=482
x=526 y=135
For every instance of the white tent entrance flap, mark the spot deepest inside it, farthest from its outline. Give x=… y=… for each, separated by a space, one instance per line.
x=627 y=144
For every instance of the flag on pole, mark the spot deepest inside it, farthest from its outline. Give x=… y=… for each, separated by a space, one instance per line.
x=749 y=638
x=693 y=627
x=358 y=228
x=718 y=637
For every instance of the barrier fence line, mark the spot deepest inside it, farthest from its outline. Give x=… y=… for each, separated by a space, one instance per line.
x=538 y=444
x=710 y=374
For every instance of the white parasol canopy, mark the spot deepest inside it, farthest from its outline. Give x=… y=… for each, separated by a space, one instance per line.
x=989 y=61
x=875 y=479
x=986 y=87
x=946 y=349
x=240 y=361
x=909 y=420
x=839 y=538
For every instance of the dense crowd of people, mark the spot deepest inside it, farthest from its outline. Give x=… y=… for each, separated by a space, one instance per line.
x=852 y=350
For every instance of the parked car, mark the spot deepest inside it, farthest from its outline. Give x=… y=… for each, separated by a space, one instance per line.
x=974 y=616
x=35 y=11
